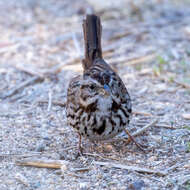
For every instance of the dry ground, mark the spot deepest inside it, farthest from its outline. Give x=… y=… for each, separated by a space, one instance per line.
x=41 y=47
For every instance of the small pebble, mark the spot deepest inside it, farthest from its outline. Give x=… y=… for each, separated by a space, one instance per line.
x=37 y=185
x=137 y=185
x=83 y=186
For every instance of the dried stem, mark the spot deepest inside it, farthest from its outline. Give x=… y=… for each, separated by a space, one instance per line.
x=131 y=168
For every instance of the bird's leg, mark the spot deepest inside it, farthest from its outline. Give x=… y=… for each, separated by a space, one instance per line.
x=132 y=139
x=79 y=145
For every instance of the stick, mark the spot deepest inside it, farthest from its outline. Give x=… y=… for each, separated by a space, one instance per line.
x=140 y=131
x=165 y=126
x=49 y=100
x=22 y=179
x=20 y=155
x=80 y=169
x=131 y=168
x=57 y=103
x=80 y=149
x=120 y=35
x=8 y=48
x=132 y=139
x=134 y=61
x=159 y=125
x=102 y=157
x=13 y=91
x=52 y=164
x=184 y=85
x=142 y=113
x=29 y=71
x=76 y=44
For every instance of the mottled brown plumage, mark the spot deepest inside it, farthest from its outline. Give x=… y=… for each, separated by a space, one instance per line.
x=98 y=104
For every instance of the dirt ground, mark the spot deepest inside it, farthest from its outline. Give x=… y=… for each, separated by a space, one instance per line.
x=41 y=47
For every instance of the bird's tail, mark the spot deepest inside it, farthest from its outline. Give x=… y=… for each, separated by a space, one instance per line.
x=92 y=39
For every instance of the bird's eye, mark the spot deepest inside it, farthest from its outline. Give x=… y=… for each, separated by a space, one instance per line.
x=92 y=87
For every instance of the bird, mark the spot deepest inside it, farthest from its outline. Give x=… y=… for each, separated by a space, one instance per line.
x=98 y=104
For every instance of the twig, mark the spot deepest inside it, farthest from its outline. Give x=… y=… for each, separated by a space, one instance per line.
x=76 y=43
x=132 y=139
x=22 y=179
x=174 y=167
x=131 y=168
x=140 y=131
x=49 y=100
x=57 y=103
x=80 y=169
x=73 y=67
x=100 y=156
x=134 y=61
x=69 y=148
x=187 y=166
x=159 y=125
x=165 y=126
x=75 y=175
x=20 y=155
x=184 y=85
x=8 y=48
x=183 y=179
x=120 y=35
x=152 y=178
x=29 y=71
x=142 y=113
x=21 y=86
x=52 y=164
